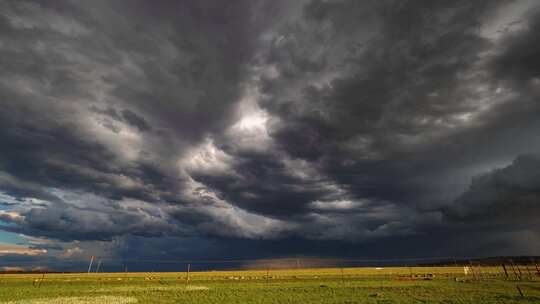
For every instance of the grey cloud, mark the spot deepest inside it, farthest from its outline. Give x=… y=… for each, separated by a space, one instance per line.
x=63 y=76
x=397 y=86
x=79 y=75
x=385 y=94
x=135 y=120
x=503 y=196
x=91 y=218
x=518 y=60
x=109 y=111
x=397 y=101
x=368 y=119
x=128 y=116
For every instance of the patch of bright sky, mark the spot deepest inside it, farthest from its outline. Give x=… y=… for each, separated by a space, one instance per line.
x=11 y=238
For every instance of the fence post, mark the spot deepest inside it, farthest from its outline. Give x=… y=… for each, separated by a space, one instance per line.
x=529 y=274
x=505 y=272
x=519 y=290
x=519 y=270
x=471 y=266
x=41 y=281
x=90 y=265
x=516 y=275
x=187 y=276
x=342 y=276
x=481 y=274
x=98 y=265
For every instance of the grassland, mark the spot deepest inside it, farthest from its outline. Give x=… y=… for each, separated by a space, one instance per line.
x=326 y=285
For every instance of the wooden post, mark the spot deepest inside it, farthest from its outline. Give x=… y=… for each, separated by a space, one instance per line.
x=505 y=272
x=529 y=274
x=519 y=290
x=267 y=273
x=472 y=270
x=342 y=277
x=514 y=271
x=481 y=274
x=90 y=265
x=98 y=265
x=537 y=268
x=519 y=270
x=188 y=269
x=41 y=281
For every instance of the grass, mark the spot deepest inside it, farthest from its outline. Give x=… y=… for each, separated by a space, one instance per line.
x=325 y=285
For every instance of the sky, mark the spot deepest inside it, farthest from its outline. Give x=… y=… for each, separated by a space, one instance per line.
x=173 y=130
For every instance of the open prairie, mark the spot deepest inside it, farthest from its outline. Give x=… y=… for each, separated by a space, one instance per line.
x=322 y=285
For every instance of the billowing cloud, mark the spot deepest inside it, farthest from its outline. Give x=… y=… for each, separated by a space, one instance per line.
x=503 y=196
x=207 y=124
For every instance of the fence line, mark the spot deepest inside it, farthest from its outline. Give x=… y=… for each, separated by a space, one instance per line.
x=511 y=267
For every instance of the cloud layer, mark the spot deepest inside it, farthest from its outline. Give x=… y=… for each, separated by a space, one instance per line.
x=269 y=123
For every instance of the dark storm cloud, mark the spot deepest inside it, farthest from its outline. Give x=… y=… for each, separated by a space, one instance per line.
x=497 y=213
x=380 y=91
x=335 y=121
x=169 y=70
x=135 y=120
x=104 y=99
x=267 y=187
x=518 y=59
x=392 y=101
x=401 y=118
x=65 y=222
x=507 y=195
x=404 y=81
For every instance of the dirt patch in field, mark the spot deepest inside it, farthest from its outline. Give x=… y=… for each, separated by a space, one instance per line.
x=153 y=288
x=193 y=288
x=77 y=300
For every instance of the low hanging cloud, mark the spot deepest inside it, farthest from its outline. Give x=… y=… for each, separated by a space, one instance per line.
x=503 y=196
x=10 y=249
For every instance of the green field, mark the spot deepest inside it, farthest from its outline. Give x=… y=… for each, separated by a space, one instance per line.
x=325 y=285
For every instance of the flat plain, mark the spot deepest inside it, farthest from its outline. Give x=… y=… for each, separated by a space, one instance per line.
x=322 y=285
